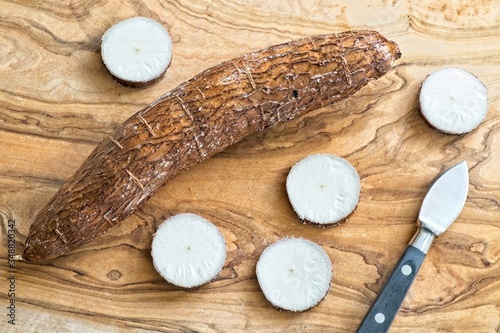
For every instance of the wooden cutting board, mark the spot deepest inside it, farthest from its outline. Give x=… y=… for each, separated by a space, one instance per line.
x=57 y=102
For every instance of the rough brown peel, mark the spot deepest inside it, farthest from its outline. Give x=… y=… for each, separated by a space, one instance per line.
x=198 y=119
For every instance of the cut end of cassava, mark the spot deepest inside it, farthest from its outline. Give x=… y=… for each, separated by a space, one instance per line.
x=294 y=274
x=323 y=189
x=453 y=101
x=137 y=51
x=188 y=251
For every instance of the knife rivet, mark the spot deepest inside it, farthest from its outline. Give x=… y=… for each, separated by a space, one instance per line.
x=379 y=318
x=406 y=270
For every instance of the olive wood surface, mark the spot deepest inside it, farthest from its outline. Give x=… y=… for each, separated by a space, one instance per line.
x=57 y=102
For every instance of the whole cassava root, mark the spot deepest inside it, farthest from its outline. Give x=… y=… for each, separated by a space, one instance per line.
x=198 y=119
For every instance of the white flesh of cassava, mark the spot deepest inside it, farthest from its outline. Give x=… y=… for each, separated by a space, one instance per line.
x=294 y=274
x=323 y=189
x=453 y=100
x=188 y=251
x=137 y=49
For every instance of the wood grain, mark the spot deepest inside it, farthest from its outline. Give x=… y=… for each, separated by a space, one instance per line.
x=57 y=102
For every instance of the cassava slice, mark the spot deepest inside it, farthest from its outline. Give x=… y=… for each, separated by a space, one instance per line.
x=453 y=100
x=136 y=51
x=188 y=251
x=294 y=274
x=323 y=189
x=198 y=119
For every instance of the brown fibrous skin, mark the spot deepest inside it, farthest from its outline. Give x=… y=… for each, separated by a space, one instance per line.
x=198 y=119
x=331 y=224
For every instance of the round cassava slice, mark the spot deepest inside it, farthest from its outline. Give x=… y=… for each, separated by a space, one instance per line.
x=294 y=274
x=188 y=251
x=136 y=51
x=453 y=100
x=323 y=189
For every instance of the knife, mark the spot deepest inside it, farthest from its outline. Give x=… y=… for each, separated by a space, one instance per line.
x=441 y=206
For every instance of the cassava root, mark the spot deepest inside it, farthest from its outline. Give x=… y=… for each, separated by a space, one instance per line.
x=198 y=119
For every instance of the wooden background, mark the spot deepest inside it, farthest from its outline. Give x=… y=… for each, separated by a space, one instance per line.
x=57 y=102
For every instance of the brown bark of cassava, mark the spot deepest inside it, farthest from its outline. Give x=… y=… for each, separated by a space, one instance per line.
x=198 y=119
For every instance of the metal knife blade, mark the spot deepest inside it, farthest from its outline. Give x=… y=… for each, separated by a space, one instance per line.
x=445 y=199
x=441 y=206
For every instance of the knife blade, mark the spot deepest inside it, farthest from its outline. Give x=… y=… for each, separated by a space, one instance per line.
x=441 y=206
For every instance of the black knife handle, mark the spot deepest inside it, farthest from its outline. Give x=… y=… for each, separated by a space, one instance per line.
x=388 y=302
